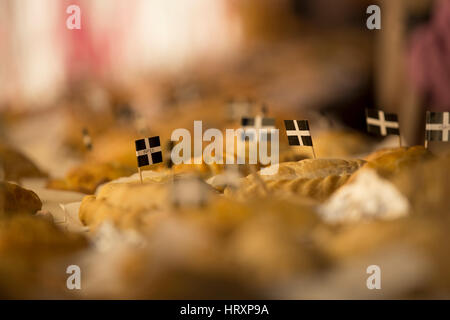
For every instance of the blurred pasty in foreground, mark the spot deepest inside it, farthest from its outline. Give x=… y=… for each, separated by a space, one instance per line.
x=87 y=177
x=34 y=255
x=427 y=186
x=17 y=166
x=196 y=252
x=15 y=199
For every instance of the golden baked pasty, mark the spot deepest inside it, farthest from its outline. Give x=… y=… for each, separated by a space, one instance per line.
x=340 y=144
x=130 y=204
x=127 y=205
x=87 y=177
x=34 y=255
x=252 y=244
x=15 y=199
x=427 y=186
x=390 y=161
x=17 y=166
x=314 y=178
x=420 y=241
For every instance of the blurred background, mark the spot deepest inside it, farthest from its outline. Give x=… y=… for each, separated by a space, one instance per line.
x=150 y=55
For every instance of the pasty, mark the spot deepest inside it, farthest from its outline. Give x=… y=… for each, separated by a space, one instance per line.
x=15 y=199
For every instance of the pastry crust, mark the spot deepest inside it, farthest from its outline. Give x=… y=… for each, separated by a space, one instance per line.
x=129 y=205
x=34 y=253
x=426 y=185
x=15 y=199
x=17 y=166
x=87 y=177
x=340 y=144
x=313 y=178
x=388 y=162
x=125 y=204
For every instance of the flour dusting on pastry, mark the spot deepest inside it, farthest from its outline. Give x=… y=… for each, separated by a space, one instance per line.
x=369 y=196
x=108 y=237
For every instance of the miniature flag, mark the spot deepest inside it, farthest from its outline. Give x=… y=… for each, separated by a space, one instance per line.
x=264 y=109
x=87 y=141
x=189 y=191
x=239 y=109
x=140 y=123
x=148 y=151
x=298 y=133
x=381 y=123
x=125 y=112
x=437 y=126
x=258 y=126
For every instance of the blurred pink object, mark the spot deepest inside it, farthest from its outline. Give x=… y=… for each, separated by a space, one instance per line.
x=88 y=50
x=429 y=58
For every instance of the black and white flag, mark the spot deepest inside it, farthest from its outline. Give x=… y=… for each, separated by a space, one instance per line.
x=87 y=140
x=148 y=151
x=254 y=128
x=298 y=133
x=239 y=109
x=437 y=126
x=381 y=123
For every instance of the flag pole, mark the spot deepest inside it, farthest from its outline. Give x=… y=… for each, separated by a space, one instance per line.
x=140 y=175
x=313 y=152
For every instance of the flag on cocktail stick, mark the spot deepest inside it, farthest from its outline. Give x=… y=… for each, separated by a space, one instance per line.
x=383 y=124
x=264 y=109
x=257 y=126
x=239 y=109
x=140 y=123
x=148 y=151
x=87 y=140
x=298 y=133
x=437 y=126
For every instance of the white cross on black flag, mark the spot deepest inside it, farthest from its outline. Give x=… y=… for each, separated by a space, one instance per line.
x=87 y=140
x=148 y=151
x=239 y=109
x=257 y=126
x=437 y=126
x=298 y=133
x=381 y=123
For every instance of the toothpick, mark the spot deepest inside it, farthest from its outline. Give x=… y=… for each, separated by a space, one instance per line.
x=140 y=175
x=426 y=143
x=400 y=140
x=313 y=152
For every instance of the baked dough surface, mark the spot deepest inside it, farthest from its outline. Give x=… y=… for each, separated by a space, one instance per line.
x=17 y=166
x=313 y=178
x=15 y=199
